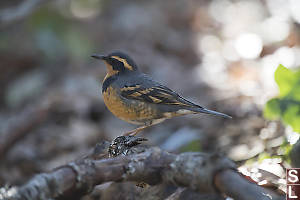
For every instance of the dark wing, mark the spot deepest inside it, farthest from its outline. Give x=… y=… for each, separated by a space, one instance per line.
x=150 y=91
x=157 y=94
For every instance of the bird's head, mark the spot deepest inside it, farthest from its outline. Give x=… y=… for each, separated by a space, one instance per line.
x=117 y=62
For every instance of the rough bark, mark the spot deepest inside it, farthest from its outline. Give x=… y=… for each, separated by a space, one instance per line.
x=210 y=173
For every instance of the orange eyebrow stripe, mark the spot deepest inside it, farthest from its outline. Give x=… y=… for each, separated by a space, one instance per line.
x=124 y=61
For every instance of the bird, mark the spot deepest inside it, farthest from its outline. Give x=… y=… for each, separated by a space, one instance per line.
x=138 y=99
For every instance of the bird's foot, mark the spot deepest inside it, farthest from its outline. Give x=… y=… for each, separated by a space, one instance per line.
x=122 y=144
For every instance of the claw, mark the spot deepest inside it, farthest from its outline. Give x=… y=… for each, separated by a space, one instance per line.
x=122 y=144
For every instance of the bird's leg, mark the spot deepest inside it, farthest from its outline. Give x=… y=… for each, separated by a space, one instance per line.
x=134 y=132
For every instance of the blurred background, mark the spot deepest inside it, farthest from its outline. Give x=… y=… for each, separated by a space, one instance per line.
x=222 y=54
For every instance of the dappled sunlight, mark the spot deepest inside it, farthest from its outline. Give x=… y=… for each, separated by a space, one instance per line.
x=248 y=45
x=85 y=8
x=239 y=57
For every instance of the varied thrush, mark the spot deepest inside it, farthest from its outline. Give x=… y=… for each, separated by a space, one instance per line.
x=136 y=98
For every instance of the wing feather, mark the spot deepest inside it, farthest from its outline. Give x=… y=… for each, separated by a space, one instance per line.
x=157 y=94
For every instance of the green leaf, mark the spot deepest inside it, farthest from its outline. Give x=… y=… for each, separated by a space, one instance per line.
x=292 y=117
x=285 y=80
x=272 y=109
x=287 y=105
x=296 y=92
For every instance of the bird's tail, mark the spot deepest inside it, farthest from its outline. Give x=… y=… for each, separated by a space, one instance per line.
x=207 y=111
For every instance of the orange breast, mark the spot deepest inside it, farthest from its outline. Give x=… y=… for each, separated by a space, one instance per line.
x=132 y=112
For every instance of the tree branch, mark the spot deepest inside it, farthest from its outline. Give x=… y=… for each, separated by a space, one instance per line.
x=240 y=188
x=198 y=171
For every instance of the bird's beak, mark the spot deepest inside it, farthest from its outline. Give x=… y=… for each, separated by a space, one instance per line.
x=101 y=57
